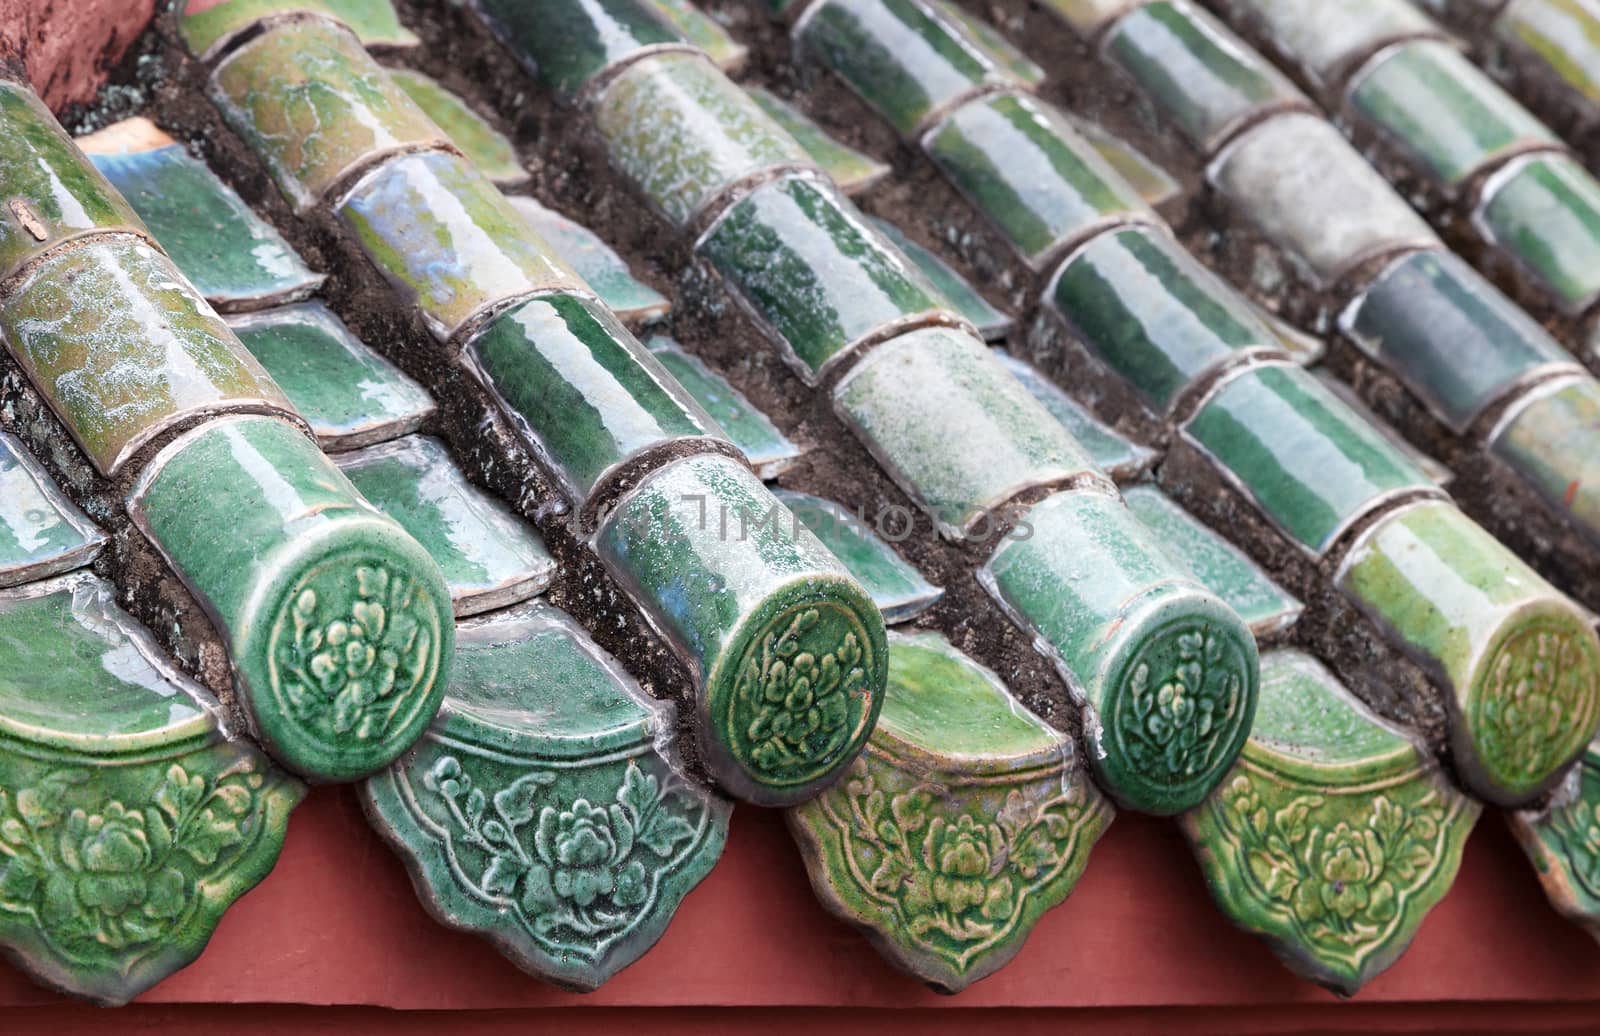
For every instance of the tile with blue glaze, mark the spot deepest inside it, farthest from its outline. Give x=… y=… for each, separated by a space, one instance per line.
x=850 y=169
x=236 y=259
x=767 y=449
x=490 y=557
x=349 y=395
x=1220 y=567
x=991 y=322
x=42 y=533
x=1121 y=458
x=895 y=586
x=596 y=262
x=486 y=146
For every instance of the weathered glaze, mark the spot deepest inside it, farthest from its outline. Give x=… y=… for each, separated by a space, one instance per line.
x=131 y=823
x=315 y=107
x=1024 y=167
x=1164 y=671
x=1205 y=79
x=913 y=397
x=121 y=347
x=767 y=449
x=582 y=390
x=1147 y=308
x=991 y=322
x=207 y=33
x=447 y=239
x=1518 y=662
x=1449 y=335
x=349 y=395
x=567 y=43
x=490 y=558
x=544 y=809
x=337 y=623
x=682 y=132
x=787 y=650
x=1444 y=111
x=850 y=169
x=1547 y=437
x=1313 y=195
x=966 y=819
x=602 y=269
x=1334 y=835
x=897 y=588
x=1309 y=463
x=482 y=144
x=1117 y=456
x=233 y=257
x=49 y=193
x=1148 y=179
x=815 y=272
x=41 y=532
x=1562 y=841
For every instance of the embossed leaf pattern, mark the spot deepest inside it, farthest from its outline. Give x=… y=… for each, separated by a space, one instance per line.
x=794 y=706
x=955 y=876
x=573 y=867
x=115 y=876
x=1340 y=880
x=343 y=664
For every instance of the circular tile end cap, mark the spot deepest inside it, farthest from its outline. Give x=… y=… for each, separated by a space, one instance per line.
x=342 y=662
x=1179 y=702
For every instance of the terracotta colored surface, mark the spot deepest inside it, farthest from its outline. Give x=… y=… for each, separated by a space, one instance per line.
x=68 y=46
x=337 y=923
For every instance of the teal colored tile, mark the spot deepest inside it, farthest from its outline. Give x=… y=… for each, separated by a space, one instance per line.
x=973 y=307
x=486 y=146
x=348 y=394
x=490 y=557
x=1147 y=308
x=1025 y=168
x=1219 y=566
x=701 y=30
x=1118 y=457
x=566 y=43
x=901 y=56
x=850 y=169
x=1203 y=77
x=815 y=272
x=896 y=587
x=1311 y=193
x=235 y=258
x=1165 y=672
x=42 y=533
x=1545 y=212
x=1444 y=111
x=912 y=399
x=315 y=107
x=449 y=241
x=767 y=449
x=1309 y=462
x=337 y=623
x=133 y=822
x=52 y=194
x=583 y=390
x=596 y=262
x=683 y=132
x=1449 y=334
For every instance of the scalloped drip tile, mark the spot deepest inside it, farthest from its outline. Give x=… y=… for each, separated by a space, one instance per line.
x=596 y=262
x=42 y=533
x=966 y=820
x=767 y=449
x=1122 y=459
x=1334 y=835
x=236 y=259
x=1561 y=841
x=132 y=823
x=490 y=557
x=545 y=810
x=486 y=146
x=897 y=588
x=853 y=171
x=992 y=323
x=349 y=395
x=1220 y=567
x=1121 y=621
